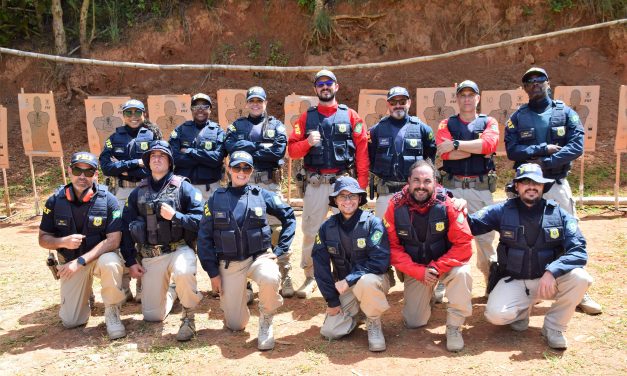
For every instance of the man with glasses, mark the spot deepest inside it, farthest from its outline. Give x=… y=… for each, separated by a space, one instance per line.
x=160 y=222
x=467 y=142
x=549 y=133
x=198 y=148
x=430 y=241
x=234 y=244
x=332 y=139
x=355 y=242
x=82 y=222
x=541 y=255
x=264 y=138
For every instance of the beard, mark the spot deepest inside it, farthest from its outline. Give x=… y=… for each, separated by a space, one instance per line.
x=531 y=201
x=398 y=114
x=417 y=191
x=326 y=95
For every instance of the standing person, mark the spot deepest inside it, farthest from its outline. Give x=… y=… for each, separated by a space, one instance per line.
x=198 y=148
x=355 y=243
x=541 y=255
x=263 y=137
x=160 y=221
x=394 y=144
x=332 y=139
x=549 y=133
x=467 y=142
x=430 y=241
x=234 y=244
x=81 y=221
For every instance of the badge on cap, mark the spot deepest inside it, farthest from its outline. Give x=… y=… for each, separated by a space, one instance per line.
x=361 y=243
x=439 y=227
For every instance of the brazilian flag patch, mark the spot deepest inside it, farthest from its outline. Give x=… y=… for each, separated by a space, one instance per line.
x=115 y=214
x=376 y=237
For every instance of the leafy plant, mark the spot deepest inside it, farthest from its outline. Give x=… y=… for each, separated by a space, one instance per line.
x=254 y=47
x=276 y=56
x=559 y=5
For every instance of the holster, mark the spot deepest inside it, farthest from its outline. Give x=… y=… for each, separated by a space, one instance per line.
x=138 y=231
x=497 y=272
x=492 y=181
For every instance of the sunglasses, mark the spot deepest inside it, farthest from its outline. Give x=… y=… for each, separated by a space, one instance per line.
x=328 y=83
x=536 y=80
x=349 y=197
x=397 y=102
x=88 y=172
x=197 y=107
x=129 y=113
x=239 y=168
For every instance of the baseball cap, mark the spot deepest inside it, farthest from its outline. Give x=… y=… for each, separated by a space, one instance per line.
x=240 y=156
x=347 y=183
x=256 y=92
x=396 y=91
x=534 y=70
x=134 y=103
x=202 y=96
x=84 y=157
x=324 y=73
x=160 y=145
x=467 y=84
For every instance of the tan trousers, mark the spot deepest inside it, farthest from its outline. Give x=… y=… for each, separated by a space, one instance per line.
x=563 y=195
x=368 y=294
x=206 y=193
x=75 y=292
x=486 y=253
x=264 y=272
x=315 y=210
x=381 y=205
x=179 y=265
x=508 y=302
x=417 y=296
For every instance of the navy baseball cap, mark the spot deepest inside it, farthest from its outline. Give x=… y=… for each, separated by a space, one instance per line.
x=398 y=91
x=240 y=156
x=534 y=70
x=84 y=157
x=467 y=84
x=160 y=145
x=256 y=92
x=531 y=171
x=201 y=96
x=347 y=183
x=324 y=73
x=134 y=103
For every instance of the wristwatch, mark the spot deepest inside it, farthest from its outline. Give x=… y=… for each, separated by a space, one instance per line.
x=455 y=144
x=81 y=261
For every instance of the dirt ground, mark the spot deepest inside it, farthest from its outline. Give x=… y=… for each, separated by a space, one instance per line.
x=33 y=341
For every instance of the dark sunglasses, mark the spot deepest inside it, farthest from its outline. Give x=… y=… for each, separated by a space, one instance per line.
x=197 y=107
x=88 y=172
x=536 y=80
x=129 y=113
x=397 y=102
x=325 y=83
x=239 y=168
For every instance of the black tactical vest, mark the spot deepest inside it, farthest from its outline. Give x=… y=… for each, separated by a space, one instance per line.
x=394 y=157
x=476 y=164
x=343 y=260
x=336 y=148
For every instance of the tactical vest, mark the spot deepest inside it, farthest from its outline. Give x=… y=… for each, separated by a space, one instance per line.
x=94 y=223
x=204 y=139
x=236 y=243
x=160 y=231
x=532 y=131
x=244 y=131
x=336 y=148
x=520 y=260
x=126 y=148
x=476 y=164
x=343 y=260
x=436 y=242
x=394 y=156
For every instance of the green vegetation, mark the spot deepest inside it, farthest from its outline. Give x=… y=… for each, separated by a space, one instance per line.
x=276 y=56
x=254 y=47
x=223 y=55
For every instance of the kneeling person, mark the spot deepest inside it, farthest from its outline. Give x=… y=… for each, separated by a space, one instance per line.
x=161 y=222
x=234 y=244
x=82 y=222
x=355 y=243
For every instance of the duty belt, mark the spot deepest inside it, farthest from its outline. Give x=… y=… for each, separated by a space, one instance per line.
x=466 y=182
x=127 y=183
x=315 y=179
x=148 y=250
x=389 y=187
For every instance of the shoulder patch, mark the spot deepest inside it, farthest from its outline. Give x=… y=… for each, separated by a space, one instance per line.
x=460 y=218
x=206 y=209
x=280 y=129
x=358 y=128
x=510 y=124
x=277 y=200
x=431 y=137
x=231 y=128
x=296 y=128
x=376 y=237
x=480 y=213
x=46 y=210
x=574 y=118
x=198 y=197
x=442 y=125
x=318 y=239
x=108 y=144
x=116 y=214
x=494 y=127
x=385 y=223
x=174 y=134
x=571 y=226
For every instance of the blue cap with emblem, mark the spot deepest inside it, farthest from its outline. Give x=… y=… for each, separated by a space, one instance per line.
x=134 y=103
x=201 y=96
x=467 y=84
x=534 y=70
x=347 y=183
x=240 y=156
x=158 y=145
x=324 y=73
x=256 y=92
x=84 y=157
x=397 y=91
x=534 y=172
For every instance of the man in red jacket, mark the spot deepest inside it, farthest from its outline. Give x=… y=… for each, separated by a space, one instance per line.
x=430 y=241
x=332 y=139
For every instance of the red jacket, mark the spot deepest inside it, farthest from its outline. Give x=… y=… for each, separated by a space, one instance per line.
x=489 y=137
x=458 y=234
x=298 y=147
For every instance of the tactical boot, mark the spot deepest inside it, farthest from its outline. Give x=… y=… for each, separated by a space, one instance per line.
x=520 y=325
x=438 y=293
x=555 y=338
x=454 y=339
x=287 y=289
x=250 y=295
x=589 y=306
x=115 y=328
x=376 y=341
x=306 y=290
x=188 y=326
x=265 y=339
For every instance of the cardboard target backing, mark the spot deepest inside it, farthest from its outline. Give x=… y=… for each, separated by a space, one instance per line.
x=38 y=121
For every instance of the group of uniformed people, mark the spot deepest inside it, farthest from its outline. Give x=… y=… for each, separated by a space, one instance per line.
x=170 y=205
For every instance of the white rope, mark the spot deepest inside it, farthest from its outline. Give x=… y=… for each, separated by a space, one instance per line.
x=308 y=68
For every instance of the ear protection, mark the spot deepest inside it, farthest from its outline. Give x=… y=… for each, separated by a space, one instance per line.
x=84 y=197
